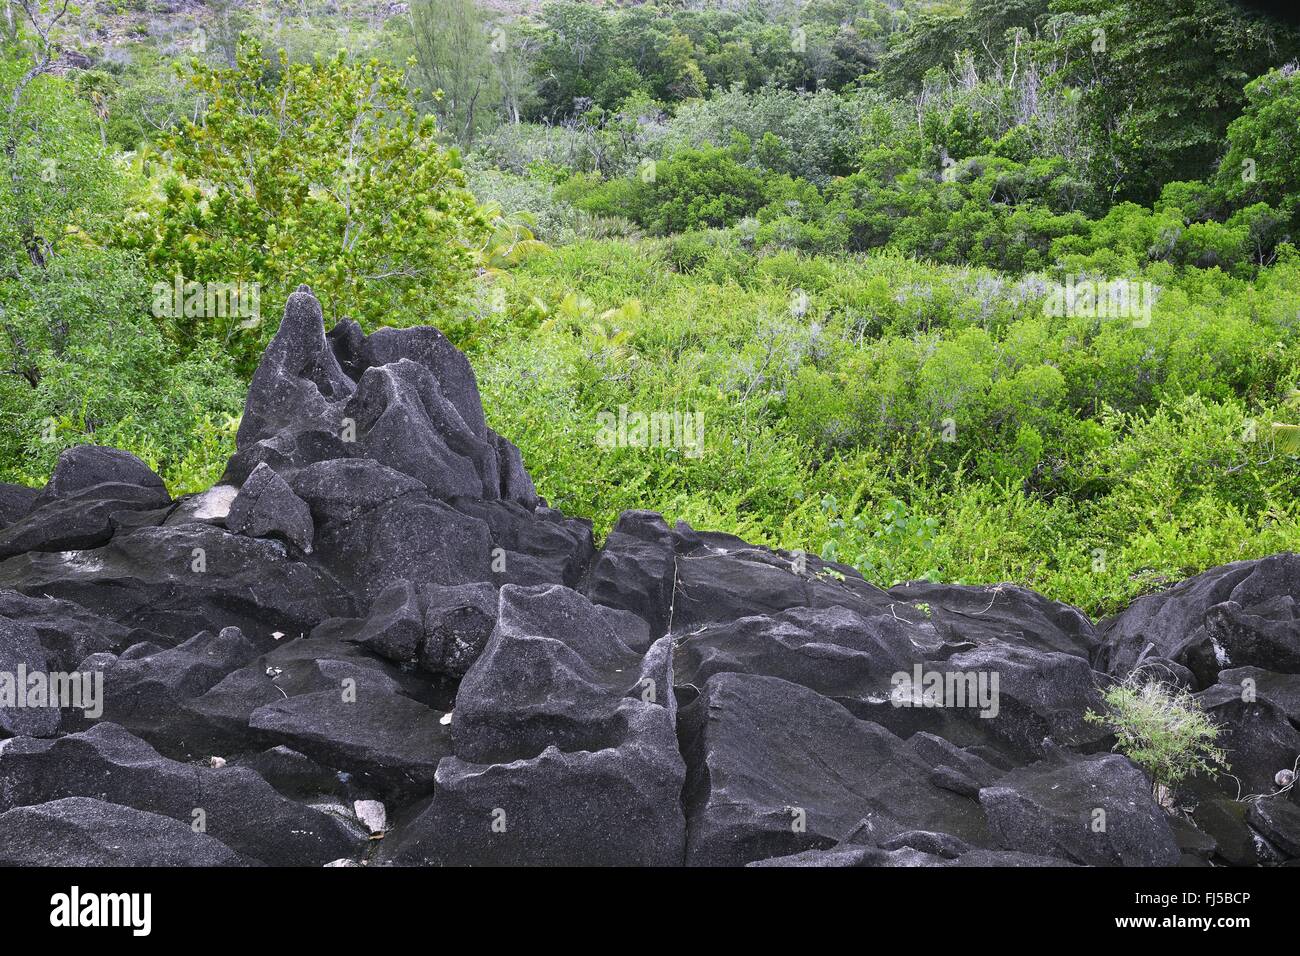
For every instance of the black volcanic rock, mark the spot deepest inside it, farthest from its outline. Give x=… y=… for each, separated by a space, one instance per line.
x=635 y=569
x=1255 y=733
x=331 y=700
x=84 y=520
x=81 y=831
x=145 y=687
x=292 y=412
x=1095 y=810
x=394 y=628
x=231 y=804
x=79 y=505
x=540 y=546
x=565 y=746
x=21 y=654
x=458 y=620
x=389 y=739
x=440 y=629
x=339 y=489
x=177 y=581
x=405 y=422
x=612 y=806
x=15 y=501
x=413 y=537
x=554 y=672
x=1282 y=690
x=1041 y=694
x=68 y=632
x=1265 y=635
x=775 y=769
x=1224 y=821
x=374 y=605
x=413 y=406
x=1279 y=821
x=85 y=467
x=834 y=651
x=267 y=507
x=1247 y=606
x=1001 y=613
x=429 y=348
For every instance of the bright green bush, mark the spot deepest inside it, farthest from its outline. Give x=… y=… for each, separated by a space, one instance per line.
x=106 y=375
x=350 y=192
x=691 y=189
x=1161 y=728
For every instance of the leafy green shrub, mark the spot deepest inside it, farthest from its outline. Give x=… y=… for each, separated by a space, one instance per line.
x=351 y=193
x=1161 y=728
x=691 y=189
x=880 y=546
x=103 y=373
x=1263 y=158
x=807 y=135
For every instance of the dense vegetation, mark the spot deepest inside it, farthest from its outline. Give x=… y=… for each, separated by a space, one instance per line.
x=837 y=234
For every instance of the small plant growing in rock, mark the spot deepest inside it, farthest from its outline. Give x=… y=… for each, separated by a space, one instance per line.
x=1162 y=729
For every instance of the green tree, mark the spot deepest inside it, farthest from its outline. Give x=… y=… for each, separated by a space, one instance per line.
x=573 y=55
x=691 y=189
x=58 y=188
x=1162 y=79
x=55 y=168
x=452 y=49
x=327 y=176
x=80 y=357
x=1263 y=159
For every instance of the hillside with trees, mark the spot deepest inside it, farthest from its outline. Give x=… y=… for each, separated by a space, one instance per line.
x=972 y=292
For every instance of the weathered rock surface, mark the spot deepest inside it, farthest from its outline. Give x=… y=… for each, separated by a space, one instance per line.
x=232 y=804
x=68 y=632
x=81 y=831
x=1256 y=734
x=15 y=501
x=1094 y=810
x=1241 y=614
x=834 y=651
x=177 y=581
x=373 y=614
x=267 y=507
x=21 y=655
x=1001 y=613
x=565 y=745
x=386 y=737
x=774 y=769
x=145 y=687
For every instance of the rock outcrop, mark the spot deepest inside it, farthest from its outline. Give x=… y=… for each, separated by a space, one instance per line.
x=372 y=642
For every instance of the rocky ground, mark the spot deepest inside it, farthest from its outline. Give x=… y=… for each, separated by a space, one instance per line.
x=372 y=643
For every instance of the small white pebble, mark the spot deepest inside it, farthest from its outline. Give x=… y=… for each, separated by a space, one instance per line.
x=445 y=719
x=217 y=762
x=277 y=634
x=372 y=815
